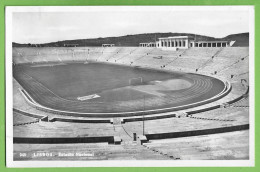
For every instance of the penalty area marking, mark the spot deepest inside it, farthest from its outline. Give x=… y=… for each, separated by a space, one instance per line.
x=93 y=96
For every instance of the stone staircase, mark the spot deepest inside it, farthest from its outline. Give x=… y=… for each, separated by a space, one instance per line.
x=132 y=150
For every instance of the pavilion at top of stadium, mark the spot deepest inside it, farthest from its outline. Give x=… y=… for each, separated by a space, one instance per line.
x=185 y=42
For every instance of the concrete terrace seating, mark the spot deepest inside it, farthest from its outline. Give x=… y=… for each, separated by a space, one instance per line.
x=107 y=53
x=225 y=146
x=178 y=124
x=221 y=64
x=26 y=55
x=149 y=61
x=26 y=51
x=128 y=59
x=242 y=103
x=233 y=52
x=20 y=60
x=142 y=50
x=80 y=54
x=225 y=58
x=159 y=52
x=19 y=119
x=223 y=114
x=94 y=53
x=212 y=67
x=157 y=58
x=49 y=58
x=242 y=65
x=126 y=55
x=63 y=129
x=66 y=56
x=187 y=64
x=122 y=54
x=201 y=52
x=136 y=54
x=166 y=60
x=18 y=56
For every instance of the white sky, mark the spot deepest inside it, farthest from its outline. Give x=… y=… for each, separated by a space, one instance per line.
x=41 y=26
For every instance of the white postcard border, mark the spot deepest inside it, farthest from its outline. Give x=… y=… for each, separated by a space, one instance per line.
x=124 y=163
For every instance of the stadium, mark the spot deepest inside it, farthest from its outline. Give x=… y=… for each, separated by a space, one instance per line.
x=131 y=103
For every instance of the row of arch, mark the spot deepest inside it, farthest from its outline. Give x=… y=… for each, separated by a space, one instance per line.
x=174 y=43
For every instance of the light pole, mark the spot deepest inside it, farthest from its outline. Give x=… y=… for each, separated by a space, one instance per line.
x=143 y=114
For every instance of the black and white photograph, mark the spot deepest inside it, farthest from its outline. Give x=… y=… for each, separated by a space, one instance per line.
x=129 y=86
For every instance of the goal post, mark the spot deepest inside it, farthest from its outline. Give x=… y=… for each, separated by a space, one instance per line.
x=136 y=81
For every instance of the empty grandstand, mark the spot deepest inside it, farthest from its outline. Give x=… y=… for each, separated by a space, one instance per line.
x=184 y=98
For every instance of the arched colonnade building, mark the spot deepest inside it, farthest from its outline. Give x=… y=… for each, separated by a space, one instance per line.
x=183 y=42
x=108 y=45
x=148 y=44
